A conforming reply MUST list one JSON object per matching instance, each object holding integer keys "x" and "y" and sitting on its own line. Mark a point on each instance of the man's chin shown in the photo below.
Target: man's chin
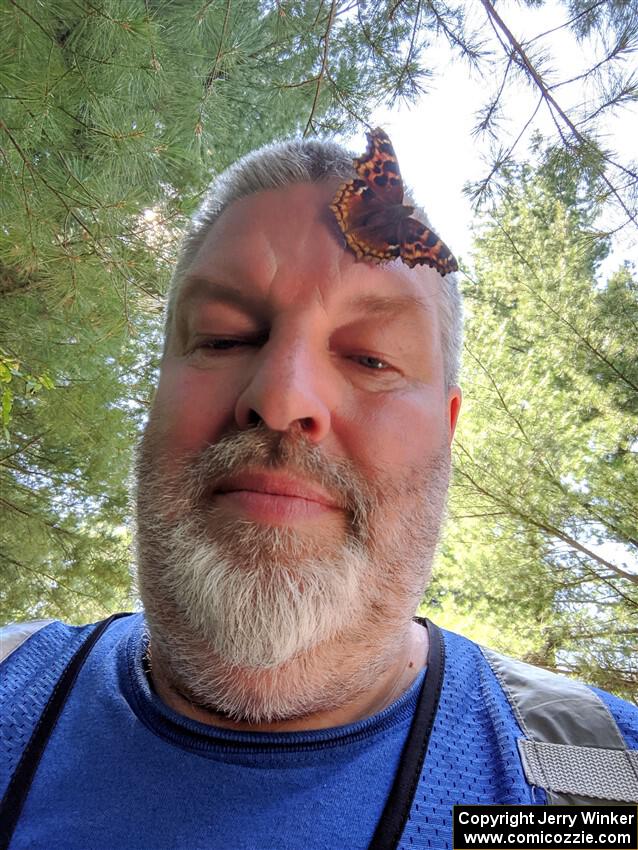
{"x": 263, "y": 545}
{"x": 254, "y": 596}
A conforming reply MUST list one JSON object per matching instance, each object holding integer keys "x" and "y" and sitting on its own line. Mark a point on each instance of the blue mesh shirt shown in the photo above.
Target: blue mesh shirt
{"x": 122, "y": 770}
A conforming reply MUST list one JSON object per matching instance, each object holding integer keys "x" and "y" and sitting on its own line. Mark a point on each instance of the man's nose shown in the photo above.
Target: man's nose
{"x": 289, "y": 388}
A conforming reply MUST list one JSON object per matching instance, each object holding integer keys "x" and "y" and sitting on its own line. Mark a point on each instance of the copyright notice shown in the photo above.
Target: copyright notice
{"x": 548, "y": 827}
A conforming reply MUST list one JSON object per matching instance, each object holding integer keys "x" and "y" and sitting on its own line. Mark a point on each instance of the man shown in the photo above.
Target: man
{"x": 277, "y": 692}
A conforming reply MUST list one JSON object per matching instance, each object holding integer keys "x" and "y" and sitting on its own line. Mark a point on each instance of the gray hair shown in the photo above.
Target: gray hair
{"x": 282, "y": 164}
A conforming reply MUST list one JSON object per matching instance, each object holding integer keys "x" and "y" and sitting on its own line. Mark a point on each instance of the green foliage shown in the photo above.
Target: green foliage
{"x": 115, "y": 113}
{"x": 544, "y": 525}
{"x": 114, "y": 116}
{"x": 14, "y": 380}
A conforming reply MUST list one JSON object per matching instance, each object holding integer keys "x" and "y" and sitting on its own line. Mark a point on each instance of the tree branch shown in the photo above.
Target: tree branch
{"x": 551, "y": 530}
{"x": 324, "y": 65}
{"x": 213, "y": 74}
{"x": 551, "y": 100}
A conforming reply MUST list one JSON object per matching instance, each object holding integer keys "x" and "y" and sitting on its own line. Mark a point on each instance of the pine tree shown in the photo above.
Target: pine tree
{"x": 544, "y": 527}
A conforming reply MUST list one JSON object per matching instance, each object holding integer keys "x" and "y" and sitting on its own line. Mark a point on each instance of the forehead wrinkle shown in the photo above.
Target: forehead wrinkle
{"x": 200, "y": 288}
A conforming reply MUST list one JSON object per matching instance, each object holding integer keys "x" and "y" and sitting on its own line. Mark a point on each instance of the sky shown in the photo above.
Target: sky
{"x": 433, "y": 139}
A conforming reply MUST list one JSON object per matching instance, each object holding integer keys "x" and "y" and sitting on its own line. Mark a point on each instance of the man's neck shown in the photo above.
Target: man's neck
{"x": 411, "y": 658}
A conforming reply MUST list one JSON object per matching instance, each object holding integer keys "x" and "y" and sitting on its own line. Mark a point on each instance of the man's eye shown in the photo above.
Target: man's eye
{"x": 226, "y": 343}
{"x": 372, "y": 363}
{"x": 220, "y": 343}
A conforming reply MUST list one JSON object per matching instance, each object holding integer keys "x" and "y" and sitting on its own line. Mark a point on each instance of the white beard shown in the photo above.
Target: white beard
{"x": 268, "y": 623}
{"x": 263, "y": 595}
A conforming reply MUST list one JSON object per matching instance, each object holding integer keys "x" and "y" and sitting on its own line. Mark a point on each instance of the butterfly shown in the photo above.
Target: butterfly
{"x": 375, "y": 222}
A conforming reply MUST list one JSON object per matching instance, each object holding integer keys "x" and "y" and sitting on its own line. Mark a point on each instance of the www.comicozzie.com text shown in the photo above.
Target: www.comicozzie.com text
{"x": 547, "y": 839}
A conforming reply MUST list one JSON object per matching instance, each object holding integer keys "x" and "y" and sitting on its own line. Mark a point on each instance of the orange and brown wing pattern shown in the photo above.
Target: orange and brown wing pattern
{"x": 421, "y": 246}
{"x": 353, "y": 209}
{"x": 379, "y": 168}
{"x": 376, "y": 224}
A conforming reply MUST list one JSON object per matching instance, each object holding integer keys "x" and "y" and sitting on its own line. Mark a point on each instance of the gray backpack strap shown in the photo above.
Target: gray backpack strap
{"x": 572, "y": 746}
{"x": 15, "y": 634}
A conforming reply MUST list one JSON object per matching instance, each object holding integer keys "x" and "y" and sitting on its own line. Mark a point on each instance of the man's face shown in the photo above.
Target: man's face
{"x": 300, "y": 432}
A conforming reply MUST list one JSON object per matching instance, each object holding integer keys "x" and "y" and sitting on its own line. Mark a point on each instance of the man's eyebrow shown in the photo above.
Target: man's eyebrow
{"x": 388, "y": 305}
{"x": 194, "y": 288}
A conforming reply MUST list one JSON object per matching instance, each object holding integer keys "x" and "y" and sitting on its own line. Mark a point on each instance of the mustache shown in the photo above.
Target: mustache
{"x": 287, "y": 452}
{"x": 260, "y": 448}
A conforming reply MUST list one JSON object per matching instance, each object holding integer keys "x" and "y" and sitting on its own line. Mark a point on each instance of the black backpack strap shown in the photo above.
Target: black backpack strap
{"x": 13, "y": 801}
{"x": 397, "y": 808}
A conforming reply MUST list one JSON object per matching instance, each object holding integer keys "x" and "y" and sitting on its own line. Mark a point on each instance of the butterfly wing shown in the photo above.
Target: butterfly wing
{"x": 355, "y": 208}
{"x": 363, "y": 206}
{"x": 373, "y": 219}
{"x": 379, "y": 168}
{"x": 421, "y": 246}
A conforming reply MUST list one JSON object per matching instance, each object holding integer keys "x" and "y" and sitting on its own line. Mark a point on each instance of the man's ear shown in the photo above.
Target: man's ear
{"x": 454, "y": 399}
